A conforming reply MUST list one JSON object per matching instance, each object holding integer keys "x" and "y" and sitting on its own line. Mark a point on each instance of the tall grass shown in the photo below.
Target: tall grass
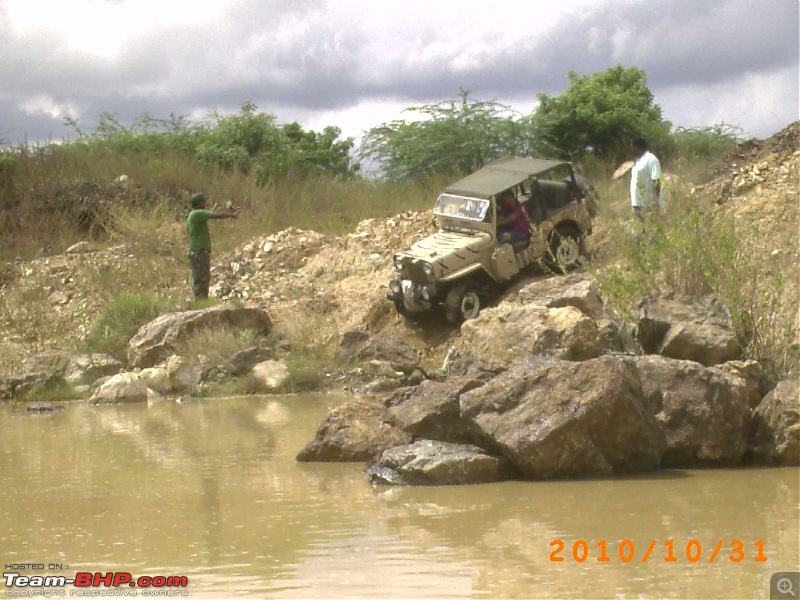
{"x": 691, "y": 249}
{"x": 120, "y": 319}
{"x": 59, "y": 198}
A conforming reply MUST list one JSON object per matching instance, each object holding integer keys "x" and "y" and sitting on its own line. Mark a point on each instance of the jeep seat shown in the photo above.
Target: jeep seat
{"x": 552, "y": 194}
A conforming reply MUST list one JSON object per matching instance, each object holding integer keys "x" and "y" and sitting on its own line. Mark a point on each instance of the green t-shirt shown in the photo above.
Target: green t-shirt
{"x": 197, "y": 224}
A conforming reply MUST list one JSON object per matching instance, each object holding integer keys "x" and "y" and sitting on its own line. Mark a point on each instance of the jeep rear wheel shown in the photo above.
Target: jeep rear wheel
{"x": 462, "y": 303}
{"x": 566, "y": 248}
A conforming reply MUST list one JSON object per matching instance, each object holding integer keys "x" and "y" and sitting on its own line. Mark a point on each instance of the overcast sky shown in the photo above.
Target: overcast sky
{"x": 357, "y": 63}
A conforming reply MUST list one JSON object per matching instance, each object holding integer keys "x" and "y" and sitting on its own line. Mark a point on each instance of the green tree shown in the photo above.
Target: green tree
{"x": 599, "y": 114}
{"x": 235, "y": 141}
{"x": 251, "y": 140}
{"x": 309, "y": 152}
{"x": 453, "y": 136}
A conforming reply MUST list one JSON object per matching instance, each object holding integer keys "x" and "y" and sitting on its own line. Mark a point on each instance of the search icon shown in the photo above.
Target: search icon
{"x": 785, "y": 586}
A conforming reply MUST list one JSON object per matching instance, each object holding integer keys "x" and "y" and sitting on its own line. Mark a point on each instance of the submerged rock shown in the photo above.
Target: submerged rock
{"x": 429, "y": 462}
{"x": 44, "y": 408}
{"x": 353, "y": 431}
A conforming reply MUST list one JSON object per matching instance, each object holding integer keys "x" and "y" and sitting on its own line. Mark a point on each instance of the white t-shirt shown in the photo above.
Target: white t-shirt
{"x": 646, "y": 170}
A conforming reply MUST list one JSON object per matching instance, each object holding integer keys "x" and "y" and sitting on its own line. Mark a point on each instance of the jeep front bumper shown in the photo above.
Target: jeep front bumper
{"x": 413, "y": 297}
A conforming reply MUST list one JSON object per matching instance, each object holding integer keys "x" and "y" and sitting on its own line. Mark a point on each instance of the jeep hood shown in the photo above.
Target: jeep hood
{"x": 450, "y": 249}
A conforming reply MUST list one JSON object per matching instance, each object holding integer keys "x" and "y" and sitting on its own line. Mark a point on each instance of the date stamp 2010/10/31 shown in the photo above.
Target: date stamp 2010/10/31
{"x": 670, "y": 551}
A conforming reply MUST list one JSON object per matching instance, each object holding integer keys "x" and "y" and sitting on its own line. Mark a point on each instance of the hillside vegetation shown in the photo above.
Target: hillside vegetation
{"x": 314, "y": 241}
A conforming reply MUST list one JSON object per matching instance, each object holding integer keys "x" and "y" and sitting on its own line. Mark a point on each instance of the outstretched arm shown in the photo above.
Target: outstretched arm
{"x": 232, "y": 214}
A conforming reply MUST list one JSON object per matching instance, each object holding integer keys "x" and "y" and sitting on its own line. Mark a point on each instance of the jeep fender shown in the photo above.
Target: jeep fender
{"x": 459, "y": 273}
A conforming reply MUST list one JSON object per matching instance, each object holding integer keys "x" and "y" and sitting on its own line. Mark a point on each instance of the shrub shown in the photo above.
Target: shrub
{"x": 691, "y": 249}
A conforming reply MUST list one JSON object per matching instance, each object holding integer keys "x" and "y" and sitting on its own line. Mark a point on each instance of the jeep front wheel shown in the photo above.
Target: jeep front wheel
{"x": 462, "y": 303}
{"x": 566, "y": 248}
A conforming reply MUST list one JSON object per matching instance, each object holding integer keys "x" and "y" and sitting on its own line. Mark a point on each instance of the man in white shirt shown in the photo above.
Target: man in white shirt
{"x": 645, "y": 178}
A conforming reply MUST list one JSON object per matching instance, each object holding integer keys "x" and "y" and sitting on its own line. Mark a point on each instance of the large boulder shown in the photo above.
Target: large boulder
{"x": 272, "y": 375}
{"x": 500, "y": 337}
{"x": 359, "y": 346}
{"x": 775, "y": 433}
{"x": 431, "y": 410}
{"x": 705, "y": 413}
{"x": 750, "y": 376}
{"x": 243, "y": 361}
{"x": 176, "y": 374}
{"x": 183, "y": 374}
{"x": 123, "y": 387}
{"x": 85, "y": 369}
{"x": 554, "y": 418}
{"x": 160, "y": 338}
{"x": 428, "y": 462}
{"x": 557, "y": 292}
{"x": 156, "y": 379}
{"x": 687, "y": 329}
{"x": 45, "y": 363}
{"x": 38, "y": 372}
{"x": 353, "y": 431}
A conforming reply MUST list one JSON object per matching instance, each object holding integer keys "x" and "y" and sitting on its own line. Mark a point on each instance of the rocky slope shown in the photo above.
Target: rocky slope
{"x": 337, "y": 284}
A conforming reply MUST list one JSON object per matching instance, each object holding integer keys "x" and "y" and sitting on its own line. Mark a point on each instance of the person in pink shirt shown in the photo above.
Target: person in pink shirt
{"x": 512, "y": 221}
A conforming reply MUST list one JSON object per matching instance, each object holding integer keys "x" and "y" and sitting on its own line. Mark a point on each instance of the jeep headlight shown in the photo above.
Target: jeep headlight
{"x": 394, "y": 285}
{"x": 428, "y": 268}
{"x": 398, "y": 263}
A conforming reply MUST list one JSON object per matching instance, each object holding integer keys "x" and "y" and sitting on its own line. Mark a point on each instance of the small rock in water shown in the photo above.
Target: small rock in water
{"x": 44, "y": 408}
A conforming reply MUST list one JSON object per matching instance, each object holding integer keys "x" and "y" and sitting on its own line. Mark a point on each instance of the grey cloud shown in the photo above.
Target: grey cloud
{"x": 296, "y": 57}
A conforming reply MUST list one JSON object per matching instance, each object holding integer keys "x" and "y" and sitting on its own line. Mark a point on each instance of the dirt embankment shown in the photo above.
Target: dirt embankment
{"x": 335, "y": 284}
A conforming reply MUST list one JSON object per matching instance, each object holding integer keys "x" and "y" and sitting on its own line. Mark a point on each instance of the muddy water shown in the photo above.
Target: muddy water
{"x": 210, "y": 490}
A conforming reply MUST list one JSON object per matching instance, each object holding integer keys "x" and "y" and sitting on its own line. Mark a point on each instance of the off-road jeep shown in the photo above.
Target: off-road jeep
{"x": 456, "y": 266}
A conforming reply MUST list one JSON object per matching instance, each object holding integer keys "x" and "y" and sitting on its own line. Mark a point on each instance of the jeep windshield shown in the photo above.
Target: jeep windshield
{"x": 461, "y": 207}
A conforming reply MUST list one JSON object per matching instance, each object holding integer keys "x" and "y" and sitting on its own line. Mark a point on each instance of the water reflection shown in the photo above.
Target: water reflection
{"x": 210, "y": 489}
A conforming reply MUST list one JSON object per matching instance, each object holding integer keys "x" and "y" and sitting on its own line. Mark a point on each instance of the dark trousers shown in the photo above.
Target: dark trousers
{"x": 511, "y": 236}
{"x": 200, "y": 261}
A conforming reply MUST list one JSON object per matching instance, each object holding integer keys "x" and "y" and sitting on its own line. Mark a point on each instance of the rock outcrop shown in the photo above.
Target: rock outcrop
{"x": 85, "y": 369}
{"x": 176, "y": 374}
{"x": 573, "y": 290}
{"x": 500, "y": 337}
{"x": 431, "y": 410}
{"x": 428, "y": 462}
{"x": 775, "y": 434}
{"x": 272, "y": 375}
{"x": 555, "y": 418}
{"x": 124, "y": 387}
{"x": 705, "y": 413}
{"x": 361, "y": 346}
{"x": 353, "y": 431}
{"x": 689, "y": 330}
{"x": 160, "y": 338}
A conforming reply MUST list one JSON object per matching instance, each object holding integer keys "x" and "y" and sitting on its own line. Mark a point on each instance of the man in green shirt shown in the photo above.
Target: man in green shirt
{"x": 200, "y": 242}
